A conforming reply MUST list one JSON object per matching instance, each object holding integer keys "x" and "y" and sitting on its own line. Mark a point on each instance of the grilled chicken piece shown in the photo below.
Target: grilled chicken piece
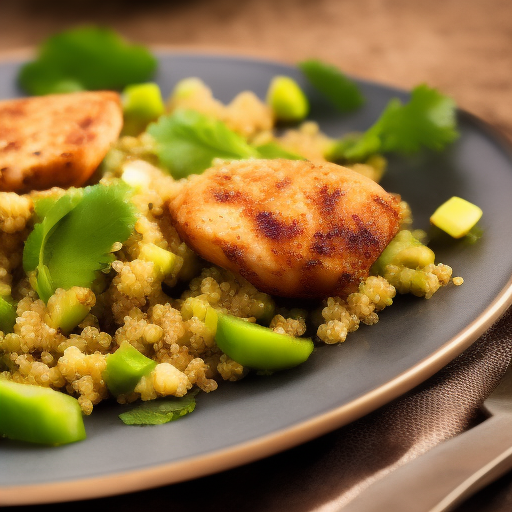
{"x": 57, "y": 140}
{"x": 291, "y": 228}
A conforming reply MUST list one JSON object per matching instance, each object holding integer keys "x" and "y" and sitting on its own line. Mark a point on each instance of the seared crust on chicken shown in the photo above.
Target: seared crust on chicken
{"x": 57, "y": 140}
{"x": 291, "y": 228}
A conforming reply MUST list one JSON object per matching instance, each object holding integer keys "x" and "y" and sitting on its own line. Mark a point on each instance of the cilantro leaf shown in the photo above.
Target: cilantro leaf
{"x": 333, "y": 84}
{"x": 86, "y": 58}
{"x": 272, "y": 150}
{"x": 427, "y": 120}
{"x": 7, "y": 314}
{"x": 75, "y": 238}
{"x": 158, "y": 412}
{"x": 52, "y": 214}
{"x": 188, "y": 141}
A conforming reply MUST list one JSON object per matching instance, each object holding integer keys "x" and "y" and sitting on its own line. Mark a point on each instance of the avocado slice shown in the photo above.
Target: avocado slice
{"x": 258, "y": 347}
{"x": 39, "y": 415}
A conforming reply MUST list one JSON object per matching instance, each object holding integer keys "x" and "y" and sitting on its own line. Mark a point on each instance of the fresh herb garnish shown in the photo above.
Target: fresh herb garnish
{"x": 427, "y": 120}
{"x": 75, "y": 238}
{"x": 86, "y": 58}
{"x": 343, "y": 92}
{"x": 272, "y": 150}
{"x": 7, "y": 314}
{"x": 158, "y": 412}
{"x": 188, "y": 141}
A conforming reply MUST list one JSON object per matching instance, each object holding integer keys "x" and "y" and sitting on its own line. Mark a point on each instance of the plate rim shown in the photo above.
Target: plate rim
{"x": 270, "y": 444}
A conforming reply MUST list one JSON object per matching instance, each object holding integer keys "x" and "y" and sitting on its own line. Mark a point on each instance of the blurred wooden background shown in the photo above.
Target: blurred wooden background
{"x": 464, "y": 47}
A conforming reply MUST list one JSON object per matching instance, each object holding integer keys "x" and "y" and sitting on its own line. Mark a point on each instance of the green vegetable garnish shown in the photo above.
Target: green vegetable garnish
{"x": 7, "y": 314}
{"x": 75, "y": 238}
{"x": 125, "y": 367}
{"x": 163, "y": 260}
{"x": 67, "y": 308}
{"x": 142, "y": 103}
{"x": 272, "y": 149}
{"x": 287, "y": 100}
{"x": 188, "y": 141}
{"x": 427, "y": 120}
{"x": 86, "y": 58}
{"x": 158, "y": 412}
{"x": 404, "y": 250}
{"x": 456, "y": 217}
{"x": 333, "y": 84}
{"x": 39, "y": 415}
{"x": 258, "y": 347}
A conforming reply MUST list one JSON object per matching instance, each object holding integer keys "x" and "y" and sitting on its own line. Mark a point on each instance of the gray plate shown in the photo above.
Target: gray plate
{"x": 259, "y": 416}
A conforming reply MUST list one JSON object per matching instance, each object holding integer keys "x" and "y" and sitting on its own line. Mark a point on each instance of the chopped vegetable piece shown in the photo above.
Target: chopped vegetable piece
{"x": 67, "y": 308}
{"x": 158, "y": 412}
{"x": 163, "y": 260}
{"x": 39, "y": 415}
{"x": 287, "y": 100}
{"x": 7, "y": 314}
{"x": 75, "y": 239}
{"x": 142, "y": 103}
{"x": 188, "y": 141}
{"x": 333, "y": 84}
{"x": 211, "y": 319}
{"x": 404, "y": 250}
{"x": 86, "y": 58}
{"x": 134, "y": 175}
{"x": 258, "y": 347}
{"x": 456, "y": 217}
{"x": 428, "y": 120}
{"x": 125, "y": 367}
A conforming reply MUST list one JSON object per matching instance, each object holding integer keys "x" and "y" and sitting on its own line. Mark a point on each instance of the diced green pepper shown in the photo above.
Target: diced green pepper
{"x": 404, "y": 250}
{"x": 258, "y": 347}
{"x": 39, "y": 415}
{"x": 287, "y": 99}
{"x": 67, "y": 308}
{"x": 456, "y": 217}
{"x": 125, "y": 367}
{"x": 142, "y": 103}
{"x": 163, "y": 260}
{"x": 7, "y": 315}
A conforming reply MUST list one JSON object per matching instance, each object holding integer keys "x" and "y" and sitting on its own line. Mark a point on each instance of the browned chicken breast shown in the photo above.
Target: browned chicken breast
{"x": 56, "y": 140}
{"x": 291, "y": 228}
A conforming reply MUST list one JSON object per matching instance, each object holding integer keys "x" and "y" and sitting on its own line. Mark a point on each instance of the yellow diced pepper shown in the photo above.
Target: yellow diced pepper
{"x": 456, "y": 217}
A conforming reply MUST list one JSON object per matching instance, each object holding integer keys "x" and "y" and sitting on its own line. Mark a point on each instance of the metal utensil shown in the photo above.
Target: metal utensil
{"x": 455, "y": 469}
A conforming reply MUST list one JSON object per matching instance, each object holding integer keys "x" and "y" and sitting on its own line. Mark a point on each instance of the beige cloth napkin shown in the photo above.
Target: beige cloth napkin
{"x": 325, "y": 474}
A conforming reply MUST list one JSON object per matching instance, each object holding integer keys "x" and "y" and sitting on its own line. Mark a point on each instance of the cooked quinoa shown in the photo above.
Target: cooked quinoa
{"x": 164, "y": 316}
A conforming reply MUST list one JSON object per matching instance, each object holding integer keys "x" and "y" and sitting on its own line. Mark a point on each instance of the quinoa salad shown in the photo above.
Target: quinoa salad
{"x": 163, "y": 286}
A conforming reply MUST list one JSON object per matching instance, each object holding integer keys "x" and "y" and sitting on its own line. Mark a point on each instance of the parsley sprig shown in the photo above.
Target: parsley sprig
{"x": 187, "y": 141}
{"x": 86, "y": 58}
{"x": 75, "y": 238}
{"x": 343, "y": 92}
{"x": 158, "y": 412}
{"x": 427, "y": 120}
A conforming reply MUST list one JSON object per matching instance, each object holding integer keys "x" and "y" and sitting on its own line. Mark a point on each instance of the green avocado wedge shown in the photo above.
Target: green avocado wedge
{"x": 39, "y": 415}
{"x": 258, "y": 347}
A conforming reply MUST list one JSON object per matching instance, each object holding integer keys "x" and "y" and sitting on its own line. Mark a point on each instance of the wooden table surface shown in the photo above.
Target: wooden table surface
{"x": 463, "y": 47}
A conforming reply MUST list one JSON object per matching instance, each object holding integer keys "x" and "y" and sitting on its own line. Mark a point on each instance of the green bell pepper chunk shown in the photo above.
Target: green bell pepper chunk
{"x": 39, "y": 415}
{"x": 142, "y": 103}
{"x": 258, "y": 347}
{"x": 287, "y": 99}
{"x": 7, "y": 314}
{"x": 125, "y": 367}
